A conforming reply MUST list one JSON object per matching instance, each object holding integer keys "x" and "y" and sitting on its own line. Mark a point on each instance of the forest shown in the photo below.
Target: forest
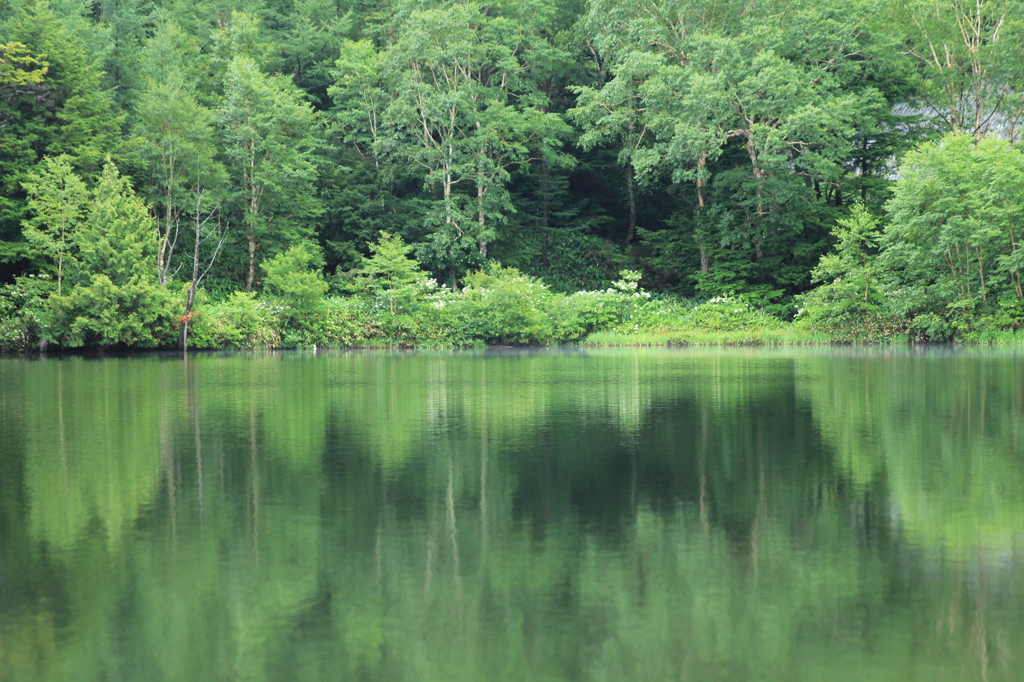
{"x": 335, "y": 173}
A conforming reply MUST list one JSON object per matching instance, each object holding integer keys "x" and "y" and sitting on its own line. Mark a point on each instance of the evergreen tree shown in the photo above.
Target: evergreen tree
{"x": 68, "y": 112}
{"x": 114, "y": 297}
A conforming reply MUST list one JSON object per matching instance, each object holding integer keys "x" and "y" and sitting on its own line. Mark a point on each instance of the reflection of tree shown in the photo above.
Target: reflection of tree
{"x": 93, "y": 467}
{"x": 440, "y": 518}
{"x": 946, "y": 437}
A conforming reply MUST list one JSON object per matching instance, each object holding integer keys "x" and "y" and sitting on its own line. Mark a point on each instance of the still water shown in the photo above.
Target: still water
{"x": 537, "y": 515}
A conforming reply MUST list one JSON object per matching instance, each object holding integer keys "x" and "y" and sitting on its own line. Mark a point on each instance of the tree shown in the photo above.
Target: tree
{"x": 751, "y": 119}
{"x": 56, "y": 200}
{"x": 361, "y": 187}
{"x": 64, "y": 110}
{"x": 307, "y": 35}
{"x": 122, "y": 27}
{"x": 175, "y": 135}
{"x": 18, "y": 68}
{"x": 114, "y": 296}
{"x": 453, "y": 104}
{"x": 268, "y": 133}
{"x": 850, "y": 298}
{"x": 392, "y": 276}
{"x": 968, "y": 54}
{"x": 614, "y": 114}
{"x": 953, "y": 241}
{"x": 206, "y": 226}
{"x": 294, "y": 279}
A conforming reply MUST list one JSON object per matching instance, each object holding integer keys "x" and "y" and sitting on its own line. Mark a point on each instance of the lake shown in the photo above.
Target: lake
{"x": 626, "y": 515}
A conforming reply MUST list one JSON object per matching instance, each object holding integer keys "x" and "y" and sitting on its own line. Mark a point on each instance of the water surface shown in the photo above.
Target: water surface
{"x": 535, "y": 515}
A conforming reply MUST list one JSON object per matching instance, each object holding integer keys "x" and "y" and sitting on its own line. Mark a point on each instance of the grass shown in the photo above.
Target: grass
{"x": 786, "y": 336}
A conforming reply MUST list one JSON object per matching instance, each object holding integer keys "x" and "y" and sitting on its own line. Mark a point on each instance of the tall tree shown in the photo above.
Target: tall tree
{"x": 268, "y": 131}
{"x": 175, "y": 145}
{"x": 968, "y": 53}
{"x": 307, "y": 36}
{"x": 67, "y": 112}
{"x": 124, "y": 26}
{"x": 954, "y": 241}
{"x": 458, "y": 109}
{"x": 754, "y": 121}
{"x": 56, "y": 200}
{"x": 615, "y": 115}
{"x": 19, "y": 68}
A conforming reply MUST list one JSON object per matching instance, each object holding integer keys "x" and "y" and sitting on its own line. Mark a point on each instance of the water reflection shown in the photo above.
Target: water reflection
{"x": 720, "y": 515}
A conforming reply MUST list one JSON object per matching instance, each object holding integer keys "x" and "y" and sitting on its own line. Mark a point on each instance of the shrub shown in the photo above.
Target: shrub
{"x": 22, "y": 312}
{"x": 341, "y": 322}
{"x": 729, "y": 314}
{"x": 242, "y": 321}
{"x": 575, "y": 316}
{"x": 502, "y": 306}
{"x": 294, "y": 281}
{"x": 136, "y": 314}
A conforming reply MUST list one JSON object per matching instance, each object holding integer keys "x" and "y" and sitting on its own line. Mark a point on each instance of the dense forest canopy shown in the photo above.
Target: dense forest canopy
{"x": 718, "y": 148}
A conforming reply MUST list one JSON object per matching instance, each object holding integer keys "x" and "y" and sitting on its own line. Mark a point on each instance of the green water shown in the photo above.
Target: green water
{"x": 547, "y": 515}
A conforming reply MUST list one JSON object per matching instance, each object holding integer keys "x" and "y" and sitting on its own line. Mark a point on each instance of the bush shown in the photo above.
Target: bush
{"x": 729, "y": 314}
{"x": 575, "y": 316}
{"x": 242, "y": 321}
{"x": 340, "y": 322}
{"x": 501, "y": 306}
{"x": 294, "y": 281}
{"x": 22, "y": 312}
{"x": 137, "y": 314}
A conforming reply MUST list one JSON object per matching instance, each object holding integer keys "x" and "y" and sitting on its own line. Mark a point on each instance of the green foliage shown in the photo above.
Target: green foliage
{"x": 448, "y": 97}
{"x": 56, "y": 202}
{"x": 100, "y": 313}
{"x": 307, "y": 35}
{"x": 66, "y": 112}
{"x": 759, "y": 175}
{"x": 18, "y": 67}
{"x": 948, "y": 263}
{"x": 342, "y": 322}
{"x": 117, "y": 238}
{"x": 173, "y": 138}
{"x": 242, "y": 321}
{"x": 574, "y": 316}
{"x": 849, "y": 302}
{"x": 501, "y": 306}
{"x": 398, "y": 285}
{"x": 967, "y": 61}
{"x": 953, "y": 237}
{"x": 269, "y": 133}
{"x": 390, "y": 274}
{"x": 715, "y": 149}
{"x": 113, "y": 297}
{"x": 728, "y": 314}
{"x": 294, "y": 280}
{"x": 23, "y": 316}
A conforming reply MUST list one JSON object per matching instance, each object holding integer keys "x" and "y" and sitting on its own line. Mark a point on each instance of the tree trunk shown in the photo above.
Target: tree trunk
{"x": 163, "y": 256}
{"x": 254, "y": 191}
{"x": 187, "y": 317}
{"x": 545, "y": 210}
{"x": 702, "y": 163}
{"x": 631, "y": 232}
{"x": 252, "y": 263}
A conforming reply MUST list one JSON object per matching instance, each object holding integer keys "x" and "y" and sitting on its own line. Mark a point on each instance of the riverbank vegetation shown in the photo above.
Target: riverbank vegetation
{"x": 297, "y": 173}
